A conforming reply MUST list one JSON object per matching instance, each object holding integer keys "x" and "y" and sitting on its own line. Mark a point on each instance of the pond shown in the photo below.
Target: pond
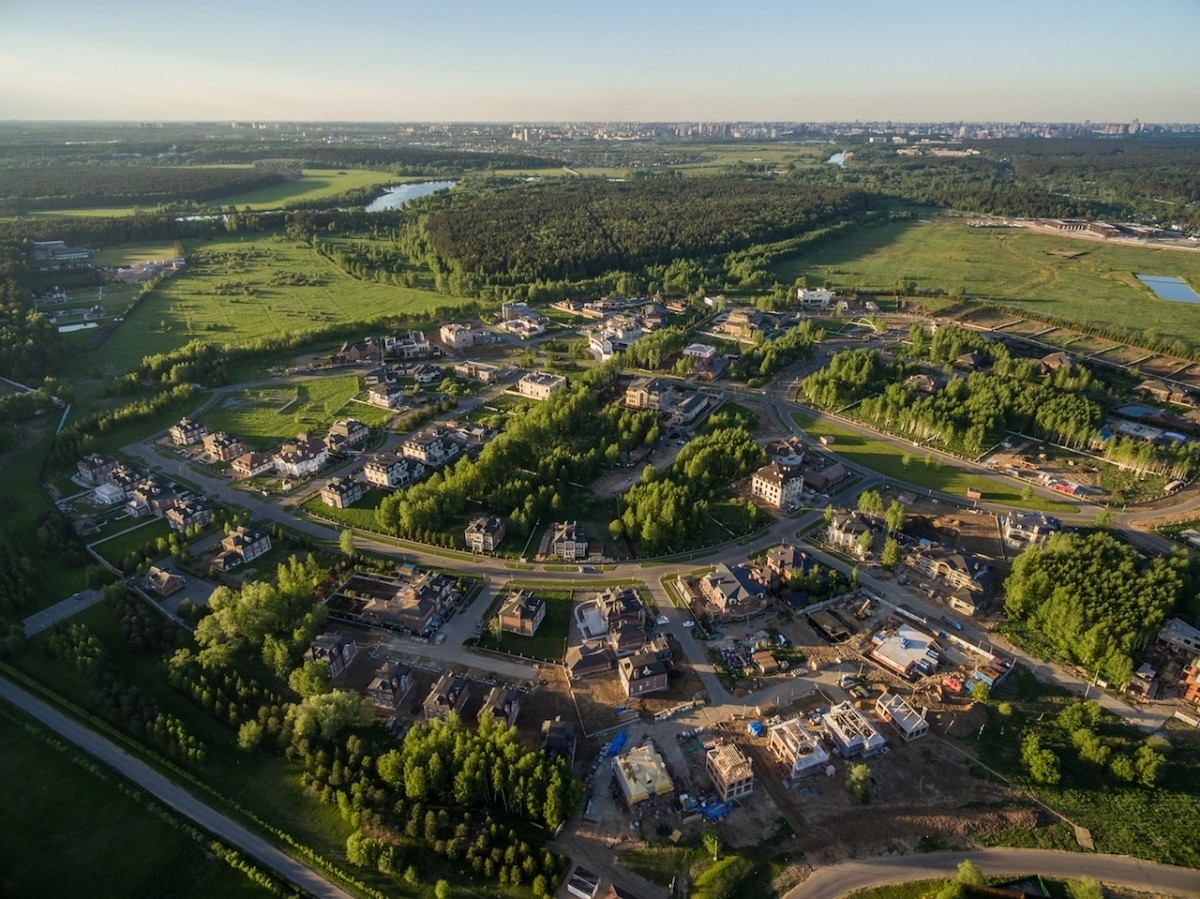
{"x": 1174, "y": 290}
{"x": 395, "y": 197}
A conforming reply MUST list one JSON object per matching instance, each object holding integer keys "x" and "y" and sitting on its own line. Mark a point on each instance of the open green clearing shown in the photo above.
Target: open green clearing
{"x": 549, "y": 643}
{"x": 84, "y": 832}
{"x": 235, "y": 291}
{"x": 132, "y": 254}
{"x": 266, "y": 416}
{"x": 362, "y": 515}
{"x": 313, "y": 185}
{"x": 888, "y": 460}
{"x": 1015, "y": 266}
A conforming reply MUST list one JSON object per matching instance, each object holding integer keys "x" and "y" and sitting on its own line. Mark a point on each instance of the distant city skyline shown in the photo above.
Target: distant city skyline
{"x": 534, "y": 61}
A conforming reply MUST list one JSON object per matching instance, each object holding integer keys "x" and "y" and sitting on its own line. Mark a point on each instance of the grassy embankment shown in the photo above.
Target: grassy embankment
{"x": 945, "y": 477}
{"x": 1081, "y": 280}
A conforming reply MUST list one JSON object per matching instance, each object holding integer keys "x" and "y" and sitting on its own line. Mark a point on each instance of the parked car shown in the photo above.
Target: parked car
{"x": 661, "y": 621}
{"x": 689, "y": 623}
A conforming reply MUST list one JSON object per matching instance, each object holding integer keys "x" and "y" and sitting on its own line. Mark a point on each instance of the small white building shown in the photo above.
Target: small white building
{"x": 851, "y": 733}
{"x": 818, "y": 298}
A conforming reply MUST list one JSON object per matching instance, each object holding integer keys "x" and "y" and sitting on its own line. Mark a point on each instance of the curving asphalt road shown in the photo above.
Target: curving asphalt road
{"x": 169, "y": 794}
{"x": 858, "y": 874}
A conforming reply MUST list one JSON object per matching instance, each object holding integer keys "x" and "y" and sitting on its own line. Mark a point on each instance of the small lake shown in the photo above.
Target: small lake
{"x": 838, "y": 159}
{"x": 395, "y": 197}
{"x": 1174, "y": 290}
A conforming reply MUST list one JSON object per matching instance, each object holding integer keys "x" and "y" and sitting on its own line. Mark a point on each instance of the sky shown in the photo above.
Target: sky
{"x": 601, "y": 60}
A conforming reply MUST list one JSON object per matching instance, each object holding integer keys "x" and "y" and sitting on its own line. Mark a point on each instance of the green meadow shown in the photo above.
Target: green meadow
{"x": 911, "y": 468}
{"x": 237, "y": 290}
{"x": 1086, "y": 281}
{"x": 265, "y": 416}
{"x": 84, "y": 832}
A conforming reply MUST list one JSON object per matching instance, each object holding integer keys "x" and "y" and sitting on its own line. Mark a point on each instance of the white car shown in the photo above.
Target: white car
{"x": 661, "y": 621}
{"x": 689, "y": 623}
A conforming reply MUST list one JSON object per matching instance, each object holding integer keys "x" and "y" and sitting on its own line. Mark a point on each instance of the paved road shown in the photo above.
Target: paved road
{"x": 171, "y": 795}
{"x": 845, "y": 877}
{"x": 60, "y": 611}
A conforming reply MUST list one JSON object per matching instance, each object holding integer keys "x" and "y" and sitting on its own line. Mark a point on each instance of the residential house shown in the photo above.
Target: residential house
{"x": 730, "y": 772}
{"x": 345, "y": 434}
{"x": 796, "y": 749}
{"x": 242, "y": 545}
{"x": 1054, "y": 361}
{"x": 369, "y": 351}
{"x": 150, "y": 497}
{"x": 185, "y": 432}
{"x": 817, "y": 298}
{"x": 456, "y": 336}
{"x": 643, "y": 673}
{"x": 448, "y": 695}
{"x": 1023, "y": 529}
{"x": 558, "y": 739}
{"x": 302, "y": 457}
{"x": 484, "y": 534}
{"x": 622, "y": 606}
{"x": 688, "y": 409}
{"x": 503, "y": 703}
{"x": 732, "y": 593}
{"x": 421, "y": 602}
{"x": 654, "y": 394}
{"x": 251, "y": 465}
{"x": 821, "y": 479}
{"x": 588, "y": 659}
{"x": 626, "y": 640}
{"x": 392, "y": 472}
{"x": 568, "y": 541}
{"x": 391, "y": 686}
{"x": 183, "y": 517}
{"x": 789, "y": 452}
{"x": 337, "y": 650}
{"x": 846, "y": 532}
{"x": 1191, "y": 683}
{"x": 972, "y": 361}
{"x": 522, "y": 613}
{"x": 223, "y": 447}
{"x": 342, "y": 492}
{"x": 426, "y": 373}
{"x": 387, "y": 396}
{"x": 479, "y": 371}
{"x": 783, "y": 561}
{"x": 742, "y": 323}
{"x": 1180, "y": 637}
{"x": 778, "y": 485}
{"x": 161, "y": 581}
{"x": 95, "y": 468}
{"x": 409, "y": 345}
{"x": 958, "y": 568}
{"x": 430, "y": 446}
{"x": 538, "y": 385}
{"x": 924, "y": 383}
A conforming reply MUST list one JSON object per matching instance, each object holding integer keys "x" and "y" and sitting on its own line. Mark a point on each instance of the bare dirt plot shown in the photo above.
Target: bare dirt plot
{"x": 988, "y": 318}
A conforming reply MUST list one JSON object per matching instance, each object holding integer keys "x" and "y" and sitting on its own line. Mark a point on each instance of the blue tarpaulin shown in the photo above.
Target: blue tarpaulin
{"x": 618, "y": 743}
{"x": 755, "y": 728}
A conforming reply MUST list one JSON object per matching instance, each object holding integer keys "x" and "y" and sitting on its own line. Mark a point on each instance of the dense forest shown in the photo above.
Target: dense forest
{"x": 30, "y": 346}
{"x": 1092, "y": 601}
{"x": 82, "y": 186}
{"x": 584, "y": 228}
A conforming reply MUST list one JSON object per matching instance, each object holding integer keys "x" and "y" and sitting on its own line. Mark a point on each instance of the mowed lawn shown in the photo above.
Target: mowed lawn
{"x": 265, "y": 416}
{"x": 74, "y": 831}
{"x": 1084, "y": 281}
{"x": 132, "y": 254}
{"x": 888, "y": 460}
{"x": 236, "y": 291}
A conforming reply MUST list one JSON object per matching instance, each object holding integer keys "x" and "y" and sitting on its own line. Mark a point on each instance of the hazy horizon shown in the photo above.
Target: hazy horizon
{"x": 371, "y": 61}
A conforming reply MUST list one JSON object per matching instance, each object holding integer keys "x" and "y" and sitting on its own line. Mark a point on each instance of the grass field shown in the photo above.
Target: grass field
{"x": 266, "y": 416}
{"x": 238, "y": 290}
{"x": 82, "y": 832}
{"x": 361, "y": 515}
{"x": 131, "y": 254}
{"x": 888, "y": 460}
{"x": 1015, "y": 266}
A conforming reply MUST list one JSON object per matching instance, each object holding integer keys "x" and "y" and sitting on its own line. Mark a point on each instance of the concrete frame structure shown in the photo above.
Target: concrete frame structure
{"x": 731, "y": 772}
